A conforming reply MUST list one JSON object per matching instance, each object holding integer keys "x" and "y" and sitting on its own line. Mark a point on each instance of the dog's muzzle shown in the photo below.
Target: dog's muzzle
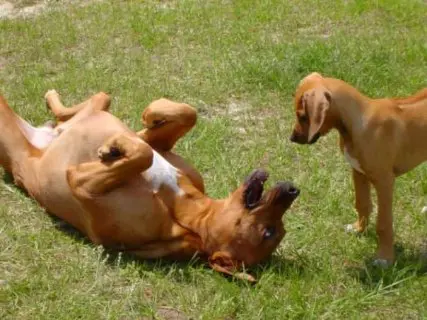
{"x": 298, "y": 138}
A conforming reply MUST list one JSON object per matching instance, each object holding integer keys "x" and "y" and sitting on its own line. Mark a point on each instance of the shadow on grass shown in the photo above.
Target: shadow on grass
{"x": 410, "y": 263}
{"x": 178, "y": 271}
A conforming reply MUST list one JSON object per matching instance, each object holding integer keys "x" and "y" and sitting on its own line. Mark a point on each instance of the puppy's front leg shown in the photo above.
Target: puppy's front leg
{"x": 121, "y": 157}
{"x": 384, "y": 187}
{"x": 363, "y": 202}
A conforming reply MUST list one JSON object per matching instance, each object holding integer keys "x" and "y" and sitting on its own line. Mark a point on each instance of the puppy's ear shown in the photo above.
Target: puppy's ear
{"x": 222, "y": 262}
{"x": 316, "y": 104}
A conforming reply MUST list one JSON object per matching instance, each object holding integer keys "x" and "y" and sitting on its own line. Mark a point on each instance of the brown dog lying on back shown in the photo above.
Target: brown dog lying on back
{"x": 129, "y": 191}
{"x": 380, "y": 138}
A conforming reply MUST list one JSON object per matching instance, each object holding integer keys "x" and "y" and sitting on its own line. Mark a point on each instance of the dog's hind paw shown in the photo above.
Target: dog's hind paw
{"x": 50, "y": 92}
{"x": 381, "y": 263}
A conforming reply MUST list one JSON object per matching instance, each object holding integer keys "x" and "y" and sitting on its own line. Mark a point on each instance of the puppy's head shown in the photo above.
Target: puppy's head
{"x": 250, "y": 227}
{"x": 312, "y": 104}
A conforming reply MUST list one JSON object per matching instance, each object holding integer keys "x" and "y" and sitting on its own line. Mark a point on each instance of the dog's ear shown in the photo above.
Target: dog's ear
{"x": 222, "y": 262}
{"x": 316, "y": 104}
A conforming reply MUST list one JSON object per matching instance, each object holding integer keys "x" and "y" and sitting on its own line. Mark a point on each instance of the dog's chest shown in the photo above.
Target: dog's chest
{"x": 162, "y": 173}
{"x": 352, "y": 161}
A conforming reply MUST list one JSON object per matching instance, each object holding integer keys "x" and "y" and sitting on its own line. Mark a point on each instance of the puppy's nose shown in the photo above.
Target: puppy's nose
{"x": 293, "y": 137}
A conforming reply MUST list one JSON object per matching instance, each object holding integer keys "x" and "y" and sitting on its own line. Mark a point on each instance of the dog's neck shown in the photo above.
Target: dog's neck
{"x": 347, "y": 108}
{"x": 194, "y": 210}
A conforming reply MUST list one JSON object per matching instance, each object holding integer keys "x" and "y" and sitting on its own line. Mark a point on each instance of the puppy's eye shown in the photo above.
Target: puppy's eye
{"x": 269, "y": 232}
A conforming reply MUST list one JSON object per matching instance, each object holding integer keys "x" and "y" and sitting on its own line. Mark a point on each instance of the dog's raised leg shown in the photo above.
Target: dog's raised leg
{"x": 121, "y": 157}
{"x": 363, "y": 202}
{"x": 165, "y": 122}
{"x": 15, "y": 149}
{"x": 384, "y": 186}
{"x": 99, "y": 101}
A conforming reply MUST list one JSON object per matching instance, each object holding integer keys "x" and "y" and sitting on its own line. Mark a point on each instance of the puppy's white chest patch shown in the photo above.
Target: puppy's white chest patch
{"x": 162, "y": 173}
{"x": 39, "y": 137}
{"x": 352, "y": 161}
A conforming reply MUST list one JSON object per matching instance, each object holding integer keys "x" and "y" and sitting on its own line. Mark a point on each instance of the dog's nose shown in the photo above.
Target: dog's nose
{"x": 292, "y": 190}
{"x": 288, "y": 188}
{"x": 293, "y": 137}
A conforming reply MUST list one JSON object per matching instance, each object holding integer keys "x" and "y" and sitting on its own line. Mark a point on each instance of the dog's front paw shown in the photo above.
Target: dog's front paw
{"x": 381, "y": 263}
{"x": 355, "y": 228}
{"x": 349, "y": 228}
{"x": 109, "y": 153}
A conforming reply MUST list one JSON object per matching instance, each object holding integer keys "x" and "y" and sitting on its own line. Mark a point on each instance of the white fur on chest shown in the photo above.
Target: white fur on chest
{"x": 39, "y": 137}
{"x": 162, "y": 173}
{"x": 352, "y": 161}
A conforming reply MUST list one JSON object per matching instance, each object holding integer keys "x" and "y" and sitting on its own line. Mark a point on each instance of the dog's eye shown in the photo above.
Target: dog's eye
{"x": 158, "y": 123}
{"x": 269, "y": 232}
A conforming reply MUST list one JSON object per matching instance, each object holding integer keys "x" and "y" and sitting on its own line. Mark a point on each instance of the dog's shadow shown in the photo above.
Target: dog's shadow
{"x": 179, "y": 271}
{"x": 410, "y": 263}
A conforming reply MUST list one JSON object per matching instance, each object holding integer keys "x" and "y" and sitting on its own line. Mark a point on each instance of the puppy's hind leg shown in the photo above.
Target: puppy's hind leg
{"x": 100, "y": 101}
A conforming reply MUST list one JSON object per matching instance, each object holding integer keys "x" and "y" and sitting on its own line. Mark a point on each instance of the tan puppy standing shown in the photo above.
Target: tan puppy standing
{"x": 130, "y": 192}
{"x": 380, "y": 138}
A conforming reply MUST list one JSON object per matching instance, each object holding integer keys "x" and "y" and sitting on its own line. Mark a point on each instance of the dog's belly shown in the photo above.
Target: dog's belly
{"x": 133, "y": 215}
{"x": 75, "y": 145}
{"x": 129, "y": 215}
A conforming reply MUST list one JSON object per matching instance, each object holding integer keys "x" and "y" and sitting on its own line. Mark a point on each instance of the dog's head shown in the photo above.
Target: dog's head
{"x": 312, "y": 105}
{"x": 249, "y": 227}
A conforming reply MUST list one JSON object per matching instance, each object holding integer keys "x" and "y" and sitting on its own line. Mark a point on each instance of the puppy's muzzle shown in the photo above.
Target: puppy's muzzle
{"x": 298, "y": 138}
{"x": 302, "y": 139}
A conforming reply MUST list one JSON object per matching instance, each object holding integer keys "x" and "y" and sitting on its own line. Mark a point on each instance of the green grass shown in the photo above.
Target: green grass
{"x": 238, "y": 63}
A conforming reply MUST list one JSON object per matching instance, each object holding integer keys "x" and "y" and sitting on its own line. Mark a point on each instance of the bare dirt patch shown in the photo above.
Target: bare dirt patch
{"x": 21, "y": 9}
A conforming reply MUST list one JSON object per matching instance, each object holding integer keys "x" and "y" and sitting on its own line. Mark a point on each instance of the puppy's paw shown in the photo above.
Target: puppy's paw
{"x": 349, "y": 228}
{"x": 354, "y": 228}
{"x": 424, "y": 209}
{"x": 109, "y": 153}
{"x": 381, "y": 263}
